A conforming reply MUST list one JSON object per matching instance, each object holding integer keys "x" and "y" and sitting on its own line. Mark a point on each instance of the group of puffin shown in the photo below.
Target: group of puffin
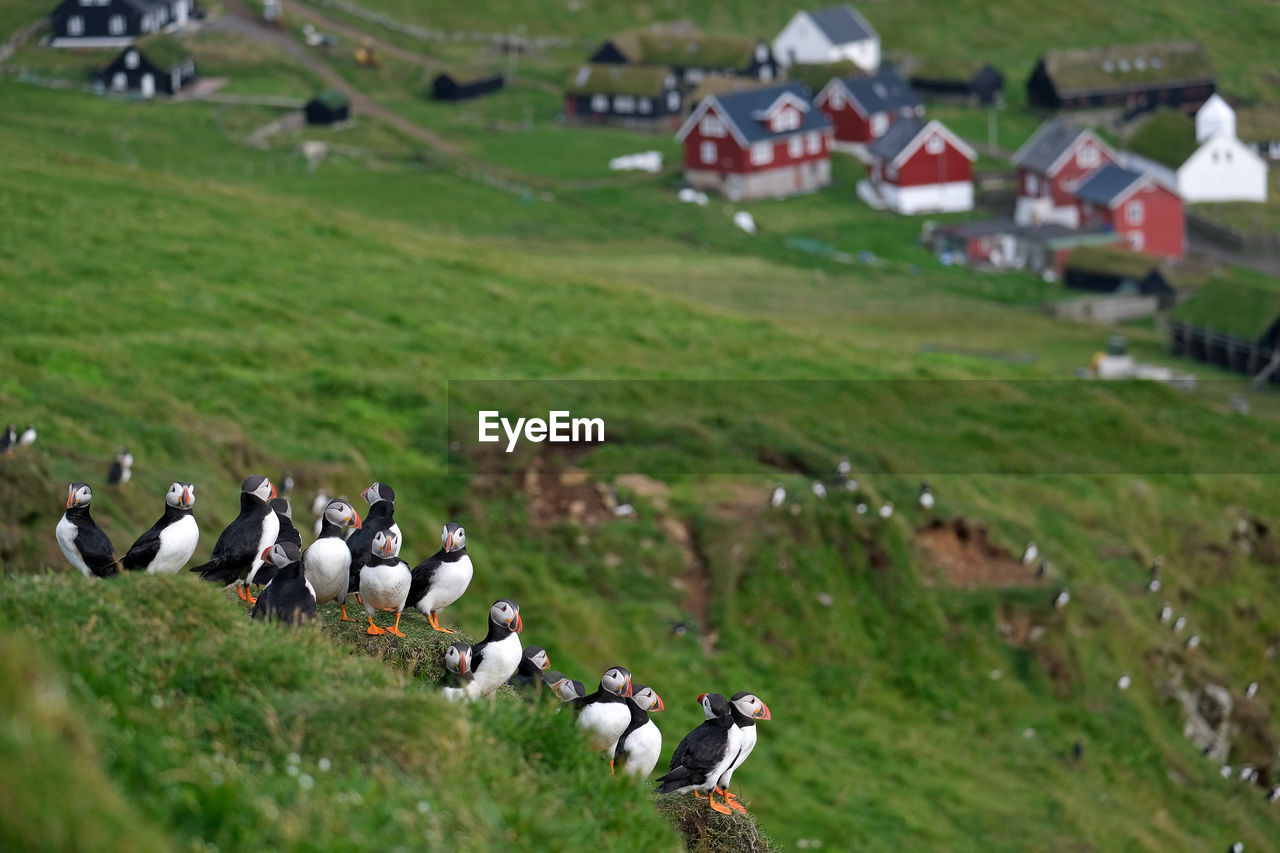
{"x": 350, "y": 555}
{"x": 11, "y": 438}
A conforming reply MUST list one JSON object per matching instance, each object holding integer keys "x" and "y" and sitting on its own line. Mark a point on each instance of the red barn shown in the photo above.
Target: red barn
{"x": 1050, "y": 165}
{"x": 861, "y": 109}
{"x": 765, "y": 143}
{"x": 1144, "y": 212}
{"x": 921, "y": 167}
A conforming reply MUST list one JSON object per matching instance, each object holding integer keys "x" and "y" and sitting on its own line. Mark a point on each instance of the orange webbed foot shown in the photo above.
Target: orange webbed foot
{"x": 723, "y": 809}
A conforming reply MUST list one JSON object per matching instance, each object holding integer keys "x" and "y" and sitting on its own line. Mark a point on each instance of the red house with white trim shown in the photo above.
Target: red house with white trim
{"x": 1146, "y": 214}
{"x": 764, "y": 143}
{"x": 920, "y": 167}
{"x": 1050, "y": 166}
{"x": 862, "y": 109}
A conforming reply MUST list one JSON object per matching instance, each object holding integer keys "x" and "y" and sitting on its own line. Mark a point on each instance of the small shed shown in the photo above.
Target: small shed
{"x": 1109, "y": 269}
{"x": 1135, "y": 77}
{"x": 328, "y": 107}
{"x": 459, "y": 87}
{"x": 982, "y": 85}
{"x": 1233, "y": 322}
{"x": 150, "y": 66}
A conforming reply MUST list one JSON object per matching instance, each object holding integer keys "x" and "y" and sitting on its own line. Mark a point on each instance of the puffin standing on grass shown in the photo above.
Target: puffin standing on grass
{"x": 534, "y": 661}
{"x": 746, "y": 709}
{"x": 442, "y": 578}
{"x": 384, "y": 583}
{"x": 28, "y": 436}
{"x": 287, "y": 597}
{"x": 641, "y": 743}
{"x": 121, "y": 470}
{"x": 496, "y": 658}
{"x": 457, "y": 664}
{"x": 8, "y": 440}
{"x": 605, "y": 713}
{"x": 327, "y": 563}
{"x": 382, "y": 506}
{"x": 237, "y": 555}
{"x": 171, "y": 541}
{"x": 705, "y": 753}
{"x": 82, "y": 541}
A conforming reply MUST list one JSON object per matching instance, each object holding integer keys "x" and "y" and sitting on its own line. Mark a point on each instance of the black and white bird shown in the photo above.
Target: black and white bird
{"x": 237, "y": 555}
{"x": 495, "y": 659}
{"x": 380, "y": 518}
{"x": 458, "y": 674}
{"x": 121, "y": 470}
{"x": 1192, "y": 643}
{"x": 318, "y": 505}
{"x": 384, "y": 583}
{"x": 171, "y": 541}
{"x": 566, "y": 689}
{"x": 534, "y": 661}
{"x": 1251, "y": 690}
{"x": 926, "y": 495}
{"x": 8, "y": 439}
{"x": 1042, "y": 569}
{"x": 1179, "y": 623}
{"x": 886, "y": 510}
{"x": 1166, "y": 614}
{"x": 327, "y": 563}
{"x": 605, "y": 713}
{"x": 1030, "y": 553}
{"x": 640, "y": 743}
{"x": 27, "y": 437}
{"x": 1236, "y": 847}
{"x": 442, "y": 578}
{"x": 705, "y": 753}
{"x": 746, "y": 708}
{"x": 287, "y": 597}
{"x": 1156, "y": 565}
{"x": 284, "y": 514}
{"x": 82, "y": 541}
{"x": 1062, "y": 599}
{"x": 1273, "y": 796}
{"x": 286, "y": 485}
{"x": 778, "y": 498}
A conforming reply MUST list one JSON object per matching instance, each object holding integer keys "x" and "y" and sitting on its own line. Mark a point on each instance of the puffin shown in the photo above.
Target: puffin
{"x": 327, "y": 563}
{"x": 28, "y": 436}
{"x": 886, "y": 510}
{"x": 1062, "y": 599}
{"x": 1030, "y": 553}
{"x": 566, "y": 689}
{"x": 926, "y": 495}
{"x": 746, "y": 709}
{"x": 284, "y": 514}
{"x": 382, "y": 506}
{"x": 458, "y": 674}
{"x": 82, "y": 541}
{"x": 237, "y": 555}
{"x": 495, "y": 659}
{"x": 778, "y": 498}
{"x": 287, "y": 597}
{"x": 705, "y": 753}
{"x": 8, "y": 439}
{"x": 384, "y": 583}
{"x": 318, "y": 505}
{"x": 121, "y": 470}
{"x": 534, "y": 661}
{"x": 442, "y": 578}
{"x": 171, "y": 541}
{"x": 1251, "y": 690}
{"x": 640, "y": 743}
{"x": 605, "y": 714}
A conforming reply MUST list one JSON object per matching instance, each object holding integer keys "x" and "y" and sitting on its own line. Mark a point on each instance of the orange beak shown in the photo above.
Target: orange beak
{"x": 519, "y": 624}
{"x": 763, "y": 713}
{"x": 71, "y": 499}
{"x": 546, "y": 665}
{"x": 462, "y": 666}
{"x": 265, "y": 553}
{"x": 448, "y": 543}
{"x": 273, "y": 491}
{"x": 357, "y": 515}
{"x": 701, "y": 696}
{"x": 629, "y": 690}
{"x": 657, "y": 703}
{"x": 188, "y": 497}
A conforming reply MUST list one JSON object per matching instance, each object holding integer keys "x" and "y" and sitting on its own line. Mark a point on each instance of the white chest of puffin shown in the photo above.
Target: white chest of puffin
{"x": 442, "y": 578}
{"x": 746, "y": 708}
{"x": 384, "y": 582}
{"x": 327, "y": 562}
{"x": 171, "y": 541}
{"x": 380, "y": 519}
{"x": 641, "y": 743}
{"x": 82, "y": 541}
{"x": 496, "y": 658}
{"x": 705, "y": 753}
{"x": 605, "y": 713}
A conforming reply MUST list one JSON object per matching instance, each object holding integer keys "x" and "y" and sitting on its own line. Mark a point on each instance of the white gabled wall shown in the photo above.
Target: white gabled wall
{"x": 810, "y": 45}
{"x": 1223, "y": 169}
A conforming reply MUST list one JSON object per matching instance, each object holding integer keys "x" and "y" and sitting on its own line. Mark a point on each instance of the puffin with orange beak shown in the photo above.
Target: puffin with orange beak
{"x": 380, "y": 518}
{"x": 496, "y": 658}
{"x": 746, "y": 709}
{"x": 82, "y": 541}
{"x": 458, "y": 674}
{"x": 287, "y": 597}
{"x": 641, "y": 744}
{"x": 442, "y": 578}
{"x": 705, "y": 753}
{"x": 605, "y": 713}
{"x": 169, "y": 544}
{"x": 327, "y": 562}
{"x": 384, "y": 583}
{"x": 237, "y": 555}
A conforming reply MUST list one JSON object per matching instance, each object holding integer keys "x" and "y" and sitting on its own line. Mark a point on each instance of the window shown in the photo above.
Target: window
{"x": 75, "y": 25}
{"x": 131, "y": 59}
{"x": 1088, "y": 157}
{"x": 118, "y": 81}
{"x": 693, "y": 76}
{"x": 761, "y": 153}
{"x": 1215, "y": 155}
{"x": 766, "y": 73}
{"x": 762, "y": 53}
{"x": 711, "y": 126}
{"x": 785, "y": 119}
{"x": 795, "y": 146}
{"x": 673, "y": 102}
{"x": 814, "y": 143}
{"x": 879, "y": 124}
{"x": 1033, "y": 185}
{"x": 836, "y": 101}
{"x": 934, "y": 144}
{"x": 1135, "y": 240}
{"x": 86, "y": 2}
{"x": 707, "y": 152}
{"x": 1133, "y": 213}
{"x": 624, "y": 104}
{"x": 599, "y": 104}
{"x": 115, "y": 25}
{"x": 646, "y": 106}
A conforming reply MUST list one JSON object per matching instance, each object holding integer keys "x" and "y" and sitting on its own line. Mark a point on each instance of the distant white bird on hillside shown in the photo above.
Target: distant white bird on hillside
{"x": 1180, "y": 623}
{"x": 1063, "y": 598}
{"x": 28, "y": 436}
{"x": 1226, "y": 771}
{"x": 843, "y": 467}
{"x": 1154, "y": 585}
{"x": 1251, "y": 690}
{"x": 778, "y": 498}
{"x": 886, "y": 511}
{"x": 1123, "y": 682}
{"x": 819, "y": 489}
{"x": 1030, "y": 553}
{"x": 1192, "y": 643}
{"x": 926, "y": 496}
{"x": 860, "y": 509}
{"x": 1166, "y": 613}
{"x": 1248, "y": 773}
{"x": 1237, "y": 847}
{"x": 1274, "y": 795}
{"x": 745, "y": 221}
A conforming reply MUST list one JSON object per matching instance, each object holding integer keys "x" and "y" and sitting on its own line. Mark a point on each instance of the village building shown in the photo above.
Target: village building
{"x": 114, "y": 23}
{"x": 1146, "y": 214}
{"x": 641, "y": 97}
{"x": 920, "y": 166}
{"x": 1118, "y": 271}
{"x": 690, "y": 54}
{"x": 766, "y": 143}
{"x": 1229, "y": 323}
{"x": 1136, "y": 77}
{"x": 1049, "y": 166}
{"x": 327, "y": 107}
{"x": 836, "y": 34}
{"x": 862, "y": 109}
{"x": 155, "y": 65}
{"x": 982, "y": 85}
{"x": 1004, "y": 244}
{"x": 456, "y": 87}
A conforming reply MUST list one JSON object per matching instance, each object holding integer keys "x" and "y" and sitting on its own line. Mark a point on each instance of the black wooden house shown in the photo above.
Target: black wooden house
{"x": 113, "y": 23}
{"x": 327, "y": 107}
{"x": 1135, "y": 77}
{"x": 984, "y": 85}
{"x": 155, "y": 65}
{"x": 455, "y": 87}
{"x": 642, "y": 97}
{"x": 691, "y": 54}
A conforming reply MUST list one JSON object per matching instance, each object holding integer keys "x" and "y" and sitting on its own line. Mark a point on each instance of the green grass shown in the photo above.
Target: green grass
{"x": 1166, "y": 137}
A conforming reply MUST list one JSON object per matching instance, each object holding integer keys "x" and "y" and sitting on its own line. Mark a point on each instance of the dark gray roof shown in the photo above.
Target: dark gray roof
{"x": 842, "y": 24}
{"x": 980, "y": 228}
{"x": 741, "y": 108}
{"x": 1046, "y": 145}
{"x": 882, "y": 92}
{"x": 1106, "y": 183}
{"x": 897, "y": 137}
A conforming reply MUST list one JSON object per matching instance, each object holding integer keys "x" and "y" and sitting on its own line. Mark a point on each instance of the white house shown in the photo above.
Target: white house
{"x": 1223, "y": 169}
{"x": 828, "y": 35}
{"x": 1215, "y": 115}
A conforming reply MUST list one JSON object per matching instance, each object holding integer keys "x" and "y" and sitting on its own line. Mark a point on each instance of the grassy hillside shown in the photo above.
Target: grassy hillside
{"x": 225, "y": 311}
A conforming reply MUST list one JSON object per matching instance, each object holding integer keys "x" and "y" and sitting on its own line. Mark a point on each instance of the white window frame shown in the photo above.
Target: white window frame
{"x": 1033, "y": 184}
{"x": 814, "y": 142}
{"x": 879, "y": 124}
{"x": 673, "y": 102}
{"x": 785, "y": 119}
{"x": 795, "y": 146}
{"x": 1089, "y": 156}
{"x": 711, "y": 126}
{"x": 75, "y": 25}
{"x": 761, "y": 153}
{"x": 131, "y": 59}
{"x": 646, "y": 106}
{"x": 707, "y": 152}
{"x": 1134, "y": 212}
{"x": 762, "y": 53}
{"x": 599, "y": 103}
{"x": 836, "y": 100}
{"x": 115, "y": 25}
{"x": 1137, "y": 240}
{"x": 935, "y": 145}
{"x": 624, "y": 104}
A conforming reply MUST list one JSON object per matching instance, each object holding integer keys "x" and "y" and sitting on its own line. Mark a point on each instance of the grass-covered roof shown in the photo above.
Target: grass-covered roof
{"x": 1241, "y": 304}
{"x": 1130, "y": 66}
{"x": 162, "y": 50}
{"x": 643, "y": 80}
{"x": 1167, "y": 137}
